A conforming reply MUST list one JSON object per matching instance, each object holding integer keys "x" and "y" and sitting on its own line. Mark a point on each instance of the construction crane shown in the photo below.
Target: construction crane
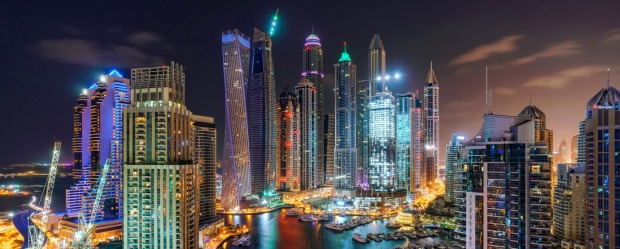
{"x": 87, "y": 226}
{"x": 36, "y": 235}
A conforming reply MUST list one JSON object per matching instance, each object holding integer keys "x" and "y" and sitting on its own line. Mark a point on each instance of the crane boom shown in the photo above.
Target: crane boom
{"x": 37, "y": 236}
{"x": 86, "y": 227}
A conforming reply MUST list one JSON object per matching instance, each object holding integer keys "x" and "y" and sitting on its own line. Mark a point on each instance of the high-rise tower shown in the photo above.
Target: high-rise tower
{"x": 308, "y": 130}
{"x": 404, "y": 108}
{"x": 431, "y": 126}
{"x": 382, "y": 173}
{"x": 601, "y": 147}
{"x": 362, "y": 96}
{"x": 345, "y": 154}
{"x": 204, "y": 137}
{"x": 313, "y": 71}
{"x": 417, "y": 145}
{"x": 288, "y": 171}
{"x": 262, "y": 108}
{"x": 376, "y": 64}
{"x": 160, "y": 179}
{"x": 329, "y": 140}
{"x": 236, "y": 180}
{"x": 97, "y": 135}
{"x": 454, "y": 151}
{"x": 503, "y": 187}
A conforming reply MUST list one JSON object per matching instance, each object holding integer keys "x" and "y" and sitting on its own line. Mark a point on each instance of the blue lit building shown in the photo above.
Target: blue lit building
{"x": 97, "y": 135}
{"x": 382, "y": 173}
{"x": 454, "y": 151}
{"x": 236, "y": 176}
{"x": 345, "y": 153}
{"x": 404, "y": 108}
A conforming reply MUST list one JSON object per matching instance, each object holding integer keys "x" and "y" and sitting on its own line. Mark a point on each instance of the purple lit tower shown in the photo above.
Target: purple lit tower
{"x": 236, "y": 181}
{"x": 97, "y": 135}
{"x": 313, "y": 71}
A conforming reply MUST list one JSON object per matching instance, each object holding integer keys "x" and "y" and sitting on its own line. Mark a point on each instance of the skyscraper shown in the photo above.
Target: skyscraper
{"x": 376, "y": 64}
{"x": 454, "y": 151}
{"x": 160, "y": 180}
{"x": 431, "y": 126}
{"x": 329, "y": 129}
{"x": 313, "y": 71}
{"x": 601, "y": 130}
{"x": 236, "y": 178}
{"x": 503, "y": 187}
{"x": 345, "y": 153}
{"x": 417, "y": 145}
{"x": 308, "y": 125}
{"x": 404, "y": 108}
{"x": 563, "y": 152}
{"x": 362, "y": 122}
{"x": 573, "y": 149}
{"x": 569, "y": 209}
{"x": 382, "y": 169}
{"x": 262, "y": 108}
{"x": 204, "y": 137}
{"x": 288, "y": 171}
{"x": 97, "y": 136}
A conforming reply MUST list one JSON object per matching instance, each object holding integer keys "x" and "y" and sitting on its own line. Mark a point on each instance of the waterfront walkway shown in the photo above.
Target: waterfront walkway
{"x": 222, "y": 237}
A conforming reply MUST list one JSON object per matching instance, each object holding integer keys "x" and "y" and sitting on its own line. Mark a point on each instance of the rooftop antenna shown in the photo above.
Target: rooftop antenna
{"x": 274, "y": 21}
{"x": 608, "y": 78}
{"x": 489, "y": 93}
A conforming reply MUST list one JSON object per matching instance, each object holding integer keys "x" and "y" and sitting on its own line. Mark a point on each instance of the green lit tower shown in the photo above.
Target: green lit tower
{"x": 345, "y": 158}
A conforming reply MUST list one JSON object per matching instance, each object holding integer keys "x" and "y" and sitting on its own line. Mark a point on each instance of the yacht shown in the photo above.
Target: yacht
{"x": 307, "y": 218}
{"x": 393, "y": 224}
{"x": 244, "y": 240}
{"x": 326, "y": 217}
{"x": 334, "y": 227}
{"x": 358, "y": 237}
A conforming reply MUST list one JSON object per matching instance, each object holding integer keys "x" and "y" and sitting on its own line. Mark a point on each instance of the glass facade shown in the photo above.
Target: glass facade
{"x": 345, "y": 154}
{"x": 403, "y": 140}
{"x": 236, "y": 156}
{"x": 308, "y": 131}
{"x": 382, "y": 172}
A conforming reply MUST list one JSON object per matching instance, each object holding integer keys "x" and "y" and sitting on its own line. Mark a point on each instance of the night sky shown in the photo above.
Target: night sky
{"x": 556, "y": 52}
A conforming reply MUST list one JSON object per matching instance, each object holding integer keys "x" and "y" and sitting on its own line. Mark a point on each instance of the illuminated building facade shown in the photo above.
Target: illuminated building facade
{"x": 382, "y": 169}
{"x": 330, "y": 142}
{"x": 563, "y": 156}
{"x": 160, "y": 180}
{"x": 601, "y": 141}
{"x": 431, "y": 127}
{"x": 236, "y": 178}
{"x": 417, "y": 145}
{"x": 569, "y": 214}
{"x": 574, "y": 149}
{"x": 98, "y": 129}
{"x": 262, "y": 108}
{"x": 204, "y": 137}
{"x": 362, "y": 96}
{"x": 308, "y": 125}
{"x": 503, "y": 187}
{"x": 454, "y": 151}
{"x": 313, "y": 70}
{"x": 288, "y": 171}
{"x": 345, "y": 153}
{"x": 404, "y": 107}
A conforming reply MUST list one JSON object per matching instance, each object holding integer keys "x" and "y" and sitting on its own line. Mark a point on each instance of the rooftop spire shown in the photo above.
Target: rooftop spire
{"x": 608, "y": 78}
{"x": 345, "y": 55}
{"x": 376, "y": 42}
{"x": 431, "y": 78}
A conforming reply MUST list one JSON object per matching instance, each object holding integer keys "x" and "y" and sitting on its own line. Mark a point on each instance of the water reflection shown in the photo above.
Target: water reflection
{"x": 275, "y": 230}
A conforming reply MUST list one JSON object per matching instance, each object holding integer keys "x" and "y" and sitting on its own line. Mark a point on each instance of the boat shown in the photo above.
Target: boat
{"x": 326, "y": 217}
{"x": 244, "y": 240}
{"x": 307, "y": 218}
{"x": 358, "y": 237}
{"x": 393, "y": 224}
{"x": 334, "y": 227}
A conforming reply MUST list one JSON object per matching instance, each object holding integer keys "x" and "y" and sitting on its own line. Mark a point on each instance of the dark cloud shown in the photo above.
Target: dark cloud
{"x": 564, "y": 77}
{"x": 142, "y": 38}
{"x": 91, "y": 53}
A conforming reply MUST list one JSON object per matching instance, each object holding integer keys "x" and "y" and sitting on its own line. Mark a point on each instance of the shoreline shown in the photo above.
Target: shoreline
{"x": 257, "y": 212}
